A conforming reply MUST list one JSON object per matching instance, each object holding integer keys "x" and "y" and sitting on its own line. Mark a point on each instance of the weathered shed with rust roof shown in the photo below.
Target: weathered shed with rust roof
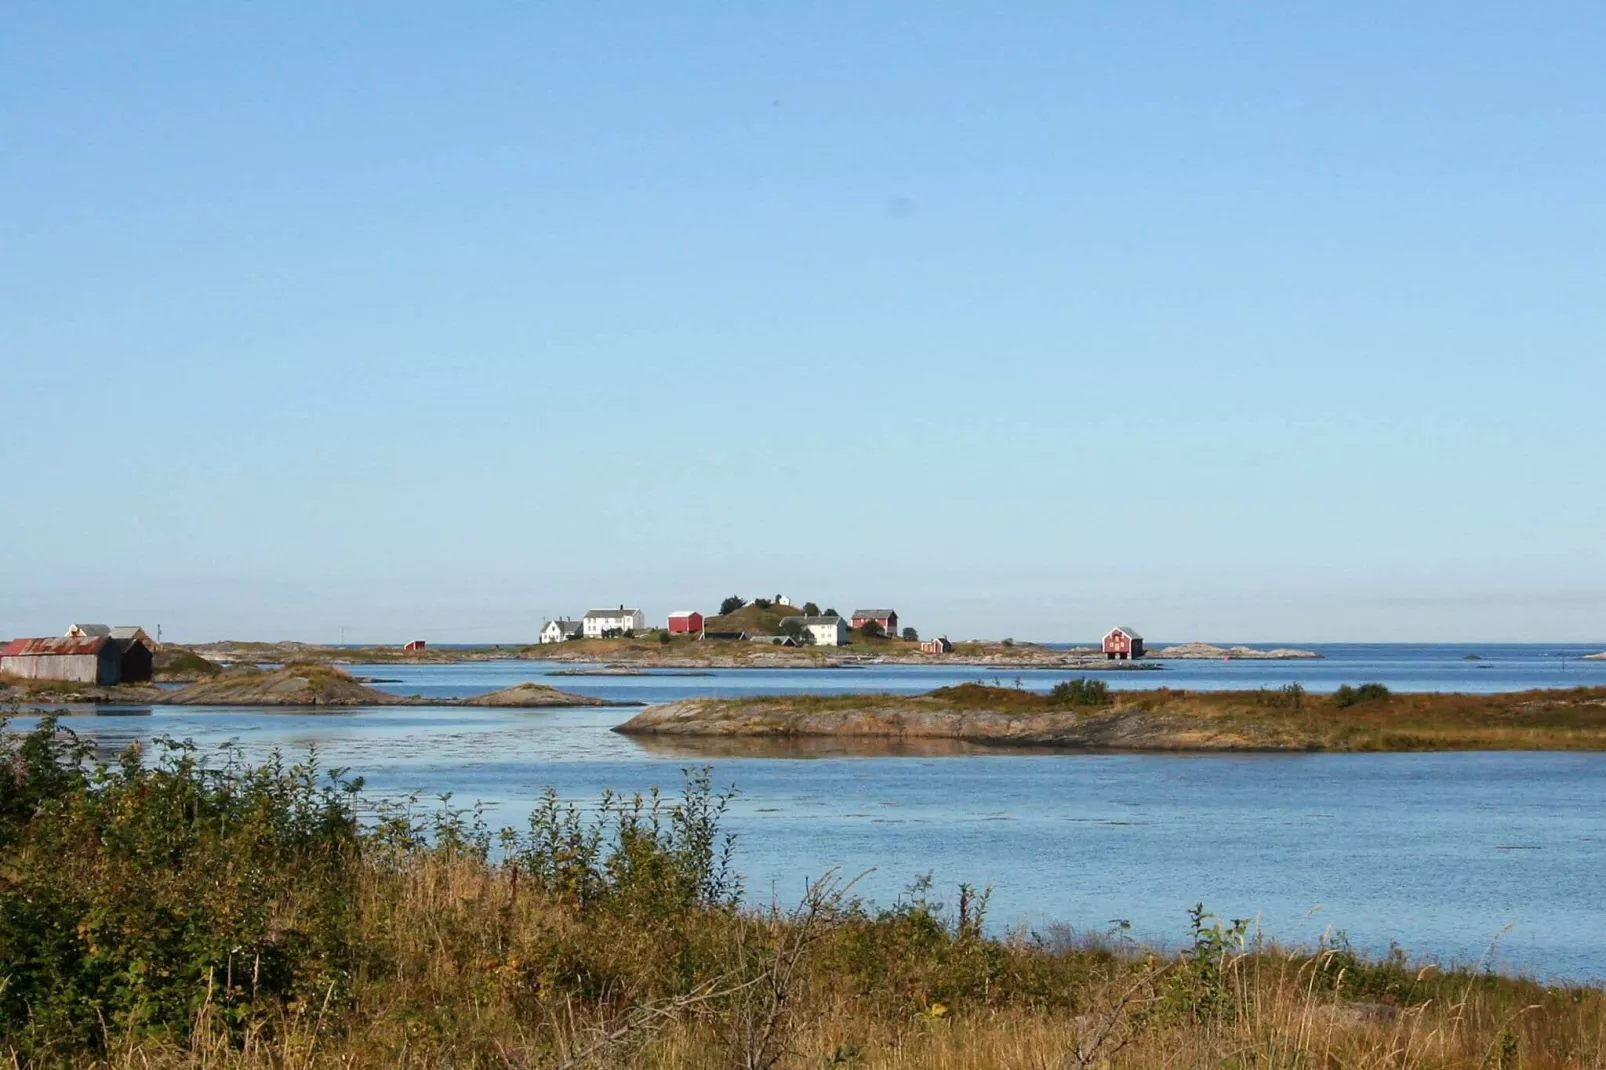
{"x": 89, "y": 660}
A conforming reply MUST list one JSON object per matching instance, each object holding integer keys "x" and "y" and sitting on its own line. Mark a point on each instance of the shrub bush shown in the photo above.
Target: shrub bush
{"x": 1080, "y": 692}
{"x": 1355, "y": 696}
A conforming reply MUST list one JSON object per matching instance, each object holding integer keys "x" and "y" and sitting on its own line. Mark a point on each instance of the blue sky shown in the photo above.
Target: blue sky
{"x": 1250, "y": 322}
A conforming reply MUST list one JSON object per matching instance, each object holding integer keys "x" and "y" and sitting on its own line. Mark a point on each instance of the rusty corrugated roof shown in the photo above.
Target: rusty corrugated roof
{"x": 53, "y": 646}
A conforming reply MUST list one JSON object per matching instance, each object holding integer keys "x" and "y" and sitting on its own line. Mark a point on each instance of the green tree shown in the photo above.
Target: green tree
{"x": 911, "y": 635}
{"x": 873, "y": 630}
{"x": 832, "y": 613}
{"x": 810, "y": 609}
{"x": 731, "y": 605}
{"x": 663, "y": 638}
{"x": 793, "y": 629}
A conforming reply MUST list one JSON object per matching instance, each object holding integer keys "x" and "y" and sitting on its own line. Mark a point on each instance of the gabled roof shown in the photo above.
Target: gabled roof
{"x": 54, "y": 647}
{"x": 128, "y": 631}
{"x": 684, "y": 613}
{"x": 91, "y": 629}
{"x": 874, "y": 614}
{"x": 596, "y": 614}
{"x": 1130, "y": 633}
{"x": 806, "y": 621}
{"x": 565, "y": 625}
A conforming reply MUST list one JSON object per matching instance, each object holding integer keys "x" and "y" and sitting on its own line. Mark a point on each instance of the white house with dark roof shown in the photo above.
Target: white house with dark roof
{"x": 558, "y": 631}
{"x": 826, "y": 631}
{"x": 599, "y": 623}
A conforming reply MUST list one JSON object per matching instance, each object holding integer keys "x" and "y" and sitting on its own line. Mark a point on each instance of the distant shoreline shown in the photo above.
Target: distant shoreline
{"x": 684, "y": 653}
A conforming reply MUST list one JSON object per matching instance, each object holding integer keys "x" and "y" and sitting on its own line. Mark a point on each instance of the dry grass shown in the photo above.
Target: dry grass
{"x": 464, "y": 968}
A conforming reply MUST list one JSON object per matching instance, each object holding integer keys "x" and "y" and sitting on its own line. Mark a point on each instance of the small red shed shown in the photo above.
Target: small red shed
{"x": 1123, "y": 644}
{"x": 415, "y": 645}
{"x": 685, "y": 622}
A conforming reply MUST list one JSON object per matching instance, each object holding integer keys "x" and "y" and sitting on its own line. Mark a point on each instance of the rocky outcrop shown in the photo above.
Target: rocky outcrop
{"x": 293, "y": 685}
{"x": 913, "y": 718}
{"x": 1596, "y": 657}
{"x": 324, "y": 685}
{"x": 1205, "y": 651}
{"x": 535, "y": 696}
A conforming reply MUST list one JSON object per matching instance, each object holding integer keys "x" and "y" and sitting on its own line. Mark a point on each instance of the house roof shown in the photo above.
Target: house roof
{"x": 685, "y": 613}
{"x": 54, "y": 647}
{"x": 563, "y": 624}
{"x": 1130, "y": 633}
{"x": 92, "y": 629}
{"x": 806, "y": 621}
{"x": 874, "y": 614}
{"x": 128, "y": 631}
{"x": 595, "y": 614}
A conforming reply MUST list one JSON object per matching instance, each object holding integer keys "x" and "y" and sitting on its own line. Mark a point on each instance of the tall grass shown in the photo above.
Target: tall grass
{"x": 165, "y": 910}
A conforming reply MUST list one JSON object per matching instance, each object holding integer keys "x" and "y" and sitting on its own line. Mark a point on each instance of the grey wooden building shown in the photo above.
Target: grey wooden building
{"x": 88, "y": 660}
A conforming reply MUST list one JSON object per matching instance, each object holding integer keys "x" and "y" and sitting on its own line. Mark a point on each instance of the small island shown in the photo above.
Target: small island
{"x": 296, "y": 684}
{"x": 1085, "y": 715}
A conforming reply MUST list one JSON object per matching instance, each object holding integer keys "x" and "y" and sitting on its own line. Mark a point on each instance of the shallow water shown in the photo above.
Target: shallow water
{"x": 1442, "y": 853}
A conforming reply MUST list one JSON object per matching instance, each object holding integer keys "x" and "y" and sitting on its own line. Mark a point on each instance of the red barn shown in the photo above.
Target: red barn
{"x": 414, "y": 646}
{"x": 1123, "y": 644}
{"x": 886, "y": 619}
{"x": 685, "y": 622}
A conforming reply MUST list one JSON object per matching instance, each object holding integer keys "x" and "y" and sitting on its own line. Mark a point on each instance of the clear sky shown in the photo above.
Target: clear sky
{"x": 1227, "y": 321}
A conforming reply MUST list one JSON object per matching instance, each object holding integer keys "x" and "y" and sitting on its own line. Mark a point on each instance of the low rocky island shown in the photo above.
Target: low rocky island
{"x": 1207, "y": 651}
{"x": 293, "y": 685}
{"x": 1087, "y": 717}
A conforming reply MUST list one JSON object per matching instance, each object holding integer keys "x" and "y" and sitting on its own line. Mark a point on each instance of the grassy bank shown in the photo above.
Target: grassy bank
{"x": 1084, "y": 713}
{"x": 167, "y": 912}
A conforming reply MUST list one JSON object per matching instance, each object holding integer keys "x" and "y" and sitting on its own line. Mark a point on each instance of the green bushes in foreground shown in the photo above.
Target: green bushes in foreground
{"x": 167, "y": 910}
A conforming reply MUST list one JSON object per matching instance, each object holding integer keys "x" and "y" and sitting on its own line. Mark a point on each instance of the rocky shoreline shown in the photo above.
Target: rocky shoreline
{"x": 1206, "y": 651}
{"x": 1165, "y": 720}
{"x": 293, "y": 685}
{"x": 620, "y": 655}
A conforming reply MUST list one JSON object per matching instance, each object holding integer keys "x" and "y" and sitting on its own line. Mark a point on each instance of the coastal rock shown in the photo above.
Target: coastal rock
{"x": 1595, "y": 657}
{"x": 325, "y": 685}
{"x": 536, "y": 696}
{"x": 293, "y": 685}
{"x": 1207, "y": 651}
{"x": 924, "y": 717}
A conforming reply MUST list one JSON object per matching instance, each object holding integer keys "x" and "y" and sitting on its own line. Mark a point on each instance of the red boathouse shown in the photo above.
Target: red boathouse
{"x": 1123, "y": 644}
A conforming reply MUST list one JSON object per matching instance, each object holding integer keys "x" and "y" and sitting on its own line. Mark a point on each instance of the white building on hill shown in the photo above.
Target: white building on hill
{"x": 600, "y": 623}
{"x": 827, "y": 631}
{"x": 557, "y": 631}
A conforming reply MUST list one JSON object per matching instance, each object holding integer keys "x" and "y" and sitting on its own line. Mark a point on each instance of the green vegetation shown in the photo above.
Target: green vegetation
{"x": 175, "y": 664}
{"x": 731, "y": 605}
{"x": 1355, "y": 696}
{"x": 1080, "y": 692}
{"x": 167, "y": 911}
{"x": 911, "y": 636}
{"x": 753, "y": 619}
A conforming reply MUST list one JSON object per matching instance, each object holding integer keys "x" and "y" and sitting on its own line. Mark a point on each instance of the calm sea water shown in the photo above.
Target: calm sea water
{"x": 1441, "y": 853}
